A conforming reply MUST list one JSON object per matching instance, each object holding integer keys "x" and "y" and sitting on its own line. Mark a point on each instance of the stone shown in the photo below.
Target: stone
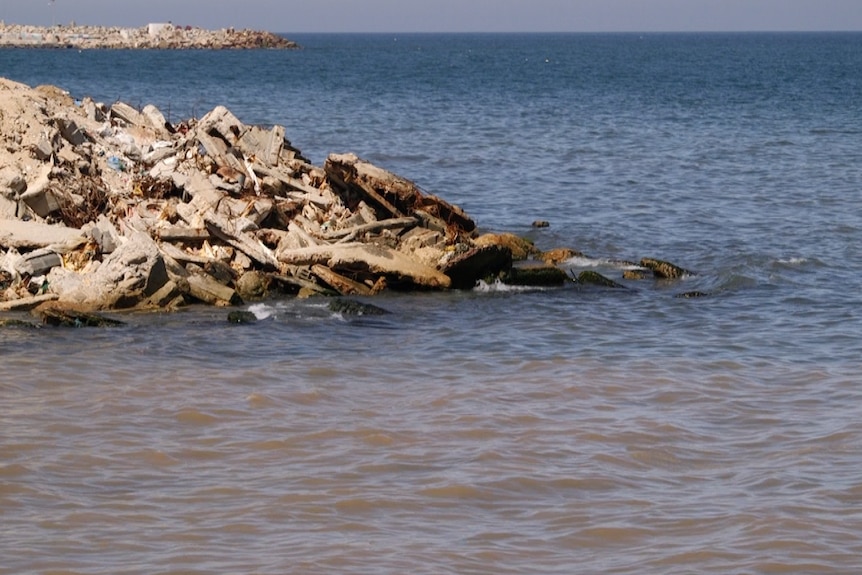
{"x": 345, "y": 306}
{"x": 155, "y": 119}
{"x": 69, "y": 317}
{"x": 590, "y": 277}
{"x": 466, "y": 269}
{"x": 27, "y": 303}
{"x": 128, "y": 114}
{"x": 240, "y": 316}
{"x": 535, "y": 276}
{"x": 12, "y": 182}
{"x": 39, "y": 196}
{"x": 70, "y": 131}
{"x": 126, "y": 278}
{"x": 355, "y": 259}
{"x": 205, "y": 288}
{"x": 692, "y": 295}
{"x": 393, "y": 195}
{"x": 169, "y": 296}
{"x": 637, "y": 275}
{"x": 16, "y": 323}
{"x": 31, "y": 235}
{"x": 39, "y": 262}
{"x": 253, "y": 285}
{"x": 559, "y": 255}
{"x": 105, "y": 235}
{"x": 663, "y": 269}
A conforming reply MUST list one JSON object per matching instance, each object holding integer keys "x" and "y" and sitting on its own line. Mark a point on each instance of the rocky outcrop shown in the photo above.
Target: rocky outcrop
{"x": 110, "y": 207}
{"x": 158, "y": 36}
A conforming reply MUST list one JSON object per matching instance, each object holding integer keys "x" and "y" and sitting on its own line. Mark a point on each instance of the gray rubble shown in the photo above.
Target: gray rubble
{"x": 108, "y": 207}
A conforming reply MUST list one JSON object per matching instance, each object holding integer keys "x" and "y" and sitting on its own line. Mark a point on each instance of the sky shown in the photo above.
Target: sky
{"x": 301, "y": 16}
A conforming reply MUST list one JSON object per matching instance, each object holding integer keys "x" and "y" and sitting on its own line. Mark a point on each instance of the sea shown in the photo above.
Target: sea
{"x": 572, "y": 430}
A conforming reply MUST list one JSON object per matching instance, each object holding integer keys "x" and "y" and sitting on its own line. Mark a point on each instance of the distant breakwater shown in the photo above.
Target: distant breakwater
{"x": 154, "y": 36}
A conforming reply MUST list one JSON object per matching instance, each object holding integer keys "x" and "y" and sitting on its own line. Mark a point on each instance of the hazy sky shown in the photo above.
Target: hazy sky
{"x": 449, "y": 15}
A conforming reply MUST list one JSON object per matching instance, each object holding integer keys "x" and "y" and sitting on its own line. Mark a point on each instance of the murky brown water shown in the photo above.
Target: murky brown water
{"x": 482, "y": 464}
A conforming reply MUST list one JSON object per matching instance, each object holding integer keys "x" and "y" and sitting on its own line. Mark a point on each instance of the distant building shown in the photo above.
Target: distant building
{"x": 155, "y": 29}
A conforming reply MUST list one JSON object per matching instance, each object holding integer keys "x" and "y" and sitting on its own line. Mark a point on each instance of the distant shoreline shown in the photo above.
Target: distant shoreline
{"x": 153, "y": 36}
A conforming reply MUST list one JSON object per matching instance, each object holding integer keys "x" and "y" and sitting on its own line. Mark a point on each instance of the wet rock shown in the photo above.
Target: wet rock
{"x": 206, "y": 289}
{"x": 520, "y": 248}
{"x": 637, "y": 274}
{"x": 240, "y": 317}
{"x": 541, "y": 224}
{"x": 535, "y": 276}
{"x": 692, "y": 295}
{"x": 353, "y": 307}
{"x": 590, "y": 277}
{"x": 466, "y": 269}
{"x": 369, "y": 262}
{"x": 559, "y": 255}
{"x": 16, "y": 323}
{"x": 663, "y": 269}
{"x": 71, "y": 317}
{"x": 253, "y": 285}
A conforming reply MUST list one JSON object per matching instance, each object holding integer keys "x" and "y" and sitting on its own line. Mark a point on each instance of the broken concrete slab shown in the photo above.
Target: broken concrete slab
{"x": 205, "y": 288}
{"x": 127, "y": 277}
{"x": 27, "y": 303}
{"x": 31, "y": 235}
{"x": 359, "y": 259}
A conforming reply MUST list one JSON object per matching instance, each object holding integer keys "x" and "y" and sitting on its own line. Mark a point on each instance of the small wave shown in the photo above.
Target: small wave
{"x": 588, "y": 262}
{"x": 498, "y": 286}
{"x": 261, "y": 310}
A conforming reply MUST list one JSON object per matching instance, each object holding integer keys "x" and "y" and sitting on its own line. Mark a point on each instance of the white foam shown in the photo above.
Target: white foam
{"x": 261, "y": 310}
{"x": 498, "y": 286}
{"x": 586, "y": 262}
{"x": 793, "y": 261}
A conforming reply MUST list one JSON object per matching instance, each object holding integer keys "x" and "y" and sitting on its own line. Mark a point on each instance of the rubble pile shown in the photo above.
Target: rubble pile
{"x": 110, "y": 207}
{"x": 163, "y": 36}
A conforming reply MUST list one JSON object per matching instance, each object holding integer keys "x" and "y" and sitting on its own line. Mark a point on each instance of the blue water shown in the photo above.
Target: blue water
{"x": 727, "y": 423}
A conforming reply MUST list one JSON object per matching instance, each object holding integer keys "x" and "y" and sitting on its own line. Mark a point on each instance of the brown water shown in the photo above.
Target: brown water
{"x": 122, "y": 452}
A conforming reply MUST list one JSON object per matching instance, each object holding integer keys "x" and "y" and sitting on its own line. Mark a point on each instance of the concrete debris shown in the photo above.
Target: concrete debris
{"x": 110, "y": 207}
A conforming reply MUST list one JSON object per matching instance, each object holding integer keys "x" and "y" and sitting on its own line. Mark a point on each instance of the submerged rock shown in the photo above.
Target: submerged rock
{"x": 692, "y": 295}
{"x": 65, "y": 317}
{"x": 590, "y": 277}
{"x": 16, "y": 323}
{"x": 535, "y": 276}
{"x": 239, "y": 316}
{"x": 663, "y": 269}
{"x": 479, "y": 263}
{"x": 353, "y": 307}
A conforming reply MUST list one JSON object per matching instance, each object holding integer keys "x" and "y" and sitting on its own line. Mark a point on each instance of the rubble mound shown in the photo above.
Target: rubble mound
{"x": 157, "y": 36}
{"x": 111, "y": 207}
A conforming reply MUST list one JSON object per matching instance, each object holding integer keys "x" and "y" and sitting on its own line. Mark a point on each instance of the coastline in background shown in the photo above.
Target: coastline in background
{"x": 162, "y": 36}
